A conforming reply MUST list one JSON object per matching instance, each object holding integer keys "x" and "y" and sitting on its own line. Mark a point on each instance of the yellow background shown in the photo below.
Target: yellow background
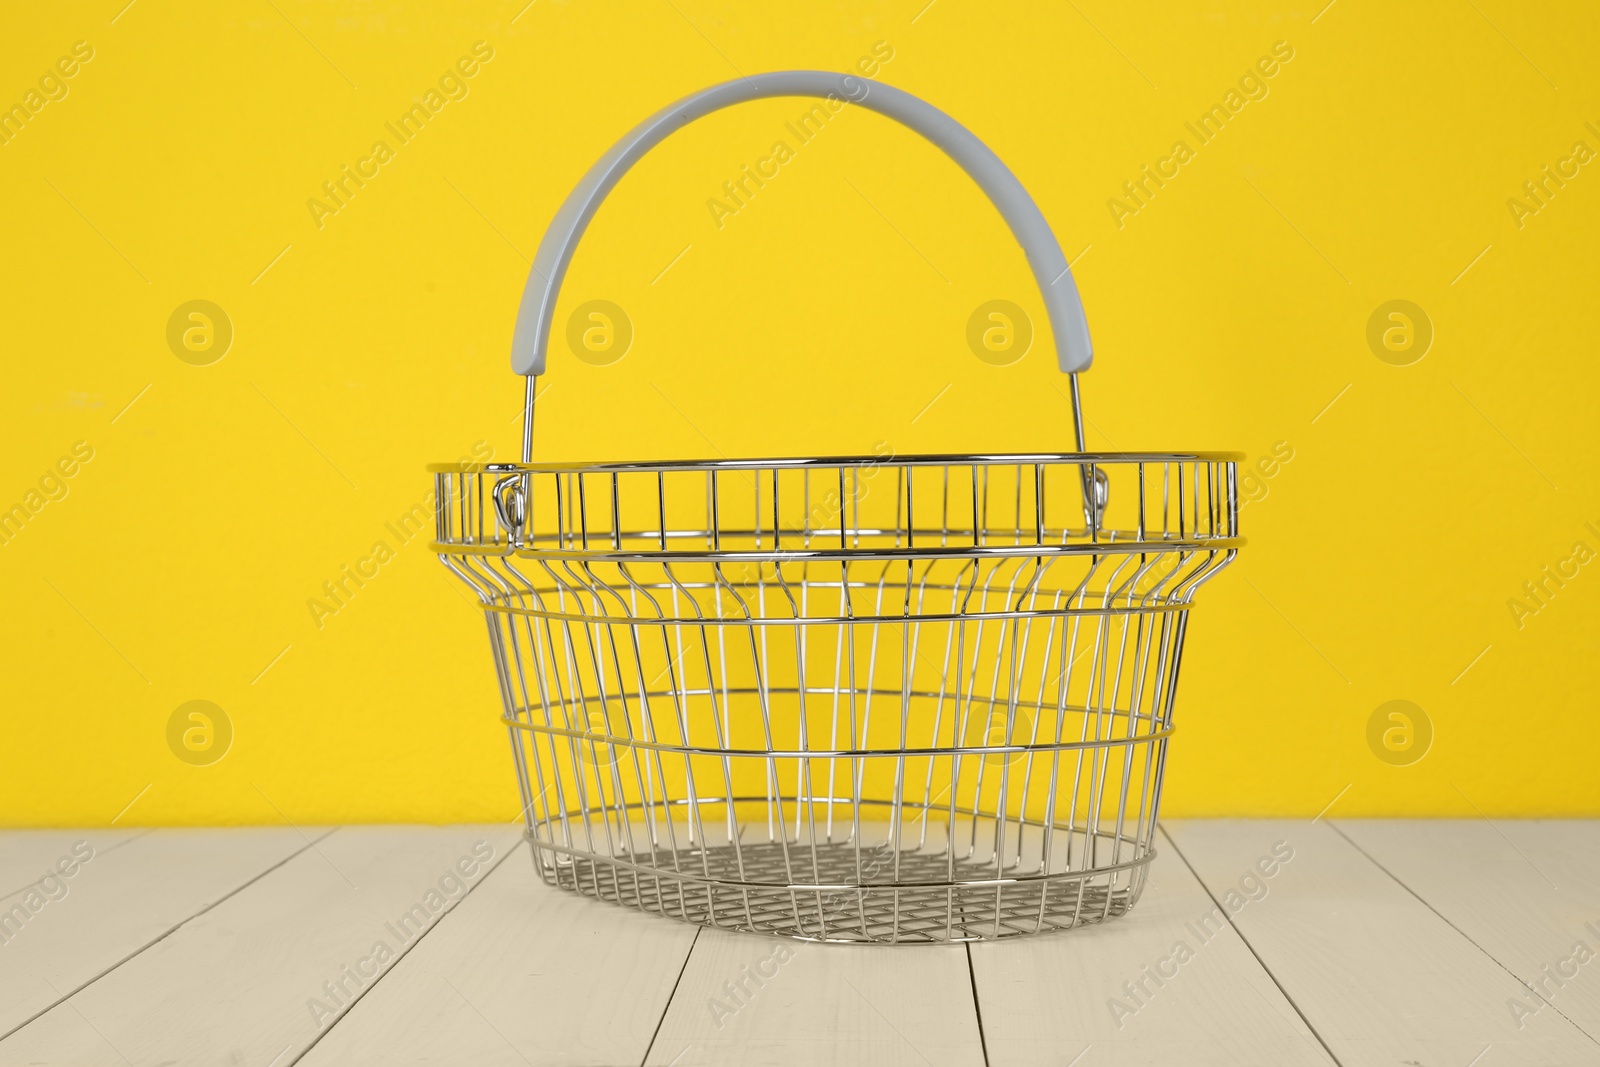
{"x": 824, "y": 317}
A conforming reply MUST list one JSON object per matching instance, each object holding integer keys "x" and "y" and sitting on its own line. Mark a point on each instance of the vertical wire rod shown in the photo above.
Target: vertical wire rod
{"x": 532, "y": 393}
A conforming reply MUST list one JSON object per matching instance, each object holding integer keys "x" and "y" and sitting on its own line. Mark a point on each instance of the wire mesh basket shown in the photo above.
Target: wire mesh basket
{"x": 883, "y": 699}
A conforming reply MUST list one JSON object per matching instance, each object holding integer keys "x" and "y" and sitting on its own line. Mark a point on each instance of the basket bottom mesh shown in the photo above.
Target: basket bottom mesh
{"x": 711, "y": 887}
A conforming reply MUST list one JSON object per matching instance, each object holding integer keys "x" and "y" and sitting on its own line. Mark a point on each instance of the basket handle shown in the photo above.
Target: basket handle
{"x": 1073, "y": 350}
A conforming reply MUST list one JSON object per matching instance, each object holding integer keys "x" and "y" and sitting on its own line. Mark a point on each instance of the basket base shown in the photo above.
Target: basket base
{"x": 806, "y": 893}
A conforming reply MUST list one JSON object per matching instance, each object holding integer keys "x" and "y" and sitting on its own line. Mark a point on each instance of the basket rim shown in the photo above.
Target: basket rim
{"x": 925, "y": 459}
{"x": 851, "y": 554}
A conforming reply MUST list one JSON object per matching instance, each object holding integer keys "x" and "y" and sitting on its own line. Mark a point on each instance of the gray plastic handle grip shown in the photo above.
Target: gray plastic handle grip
{"x": 1073, "y": 349}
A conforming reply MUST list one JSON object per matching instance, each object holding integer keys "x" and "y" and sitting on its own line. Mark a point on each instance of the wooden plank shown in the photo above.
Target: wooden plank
{"x": 125, "y": 890}
{"x": 520, "y": 974}
{"x": 1124, "y": 993}
{"x": 1381, "y": 978}
{"x": 1526, "y": 892}
{"x": 816, "y": 1005}
{"x": 240, "y": 983}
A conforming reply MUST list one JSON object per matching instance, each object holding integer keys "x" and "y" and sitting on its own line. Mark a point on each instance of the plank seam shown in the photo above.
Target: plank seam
{"x": 1468, "y": 937}
{"x": 670, "y": 996}
{"x": 345, "y": 1014}
{"x": 161, "y": 937}
{"x": 977, "y": 1006}
{"x": 98, "y": 853}
{"x": 1246, "y": 942}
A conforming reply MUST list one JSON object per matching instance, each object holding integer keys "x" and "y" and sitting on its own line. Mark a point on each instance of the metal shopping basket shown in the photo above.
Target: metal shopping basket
{"x": 888, "y": 698}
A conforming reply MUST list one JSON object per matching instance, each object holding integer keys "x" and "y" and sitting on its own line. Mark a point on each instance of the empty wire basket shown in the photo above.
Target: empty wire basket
{"x": 886, "y": 698}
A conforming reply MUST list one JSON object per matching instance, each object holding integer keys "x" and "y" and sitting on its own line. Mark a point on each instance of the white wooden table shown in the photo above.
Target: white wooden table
{"x": 1433, "y": 943}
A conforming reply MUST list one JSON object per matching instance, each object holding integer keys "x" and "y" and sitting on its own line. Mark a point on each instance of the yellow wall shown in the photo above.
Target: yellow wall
{"x": 1229, "y": 312}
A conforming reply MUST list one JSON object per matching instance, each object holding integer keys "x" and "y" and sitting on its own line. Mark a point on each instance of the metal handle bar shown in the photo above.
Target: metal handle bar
{"x": 1073, "y": 349}
{"x": 1074, "y": 352}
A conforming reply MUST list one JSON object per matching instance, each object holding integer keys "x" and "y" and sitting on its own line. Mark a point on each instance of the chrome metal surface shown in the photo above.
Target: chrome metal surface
{"x": 880, "y": 698}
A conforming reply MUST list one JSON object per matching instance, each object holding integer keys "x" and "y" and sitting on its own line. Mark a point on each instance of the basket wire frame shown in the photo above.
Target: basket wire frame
{"x": 880, "y": 699}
